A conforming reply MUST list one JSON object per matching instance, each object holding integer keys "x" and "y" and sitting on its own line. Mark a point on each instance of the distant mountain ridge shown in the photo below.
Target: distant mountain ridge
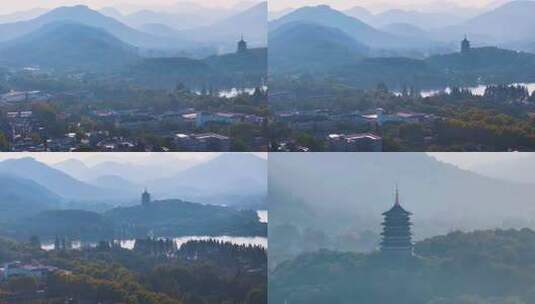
{"x": 42, "y": 200}
{"x": 57, "y": 181}
{"x": 93, "y": 41}
{"x": 81, "y": 47}
{"x": 360, "y": 31}
{"x": 251, "y": 23}
{"x": 426, "y": 20}
{"x": 22, "y": 15}
{"x": 520, "y": 170}
{"x": 230, "y": 179}
{"x": 86, "y": 16}
{"x": 512, "y": 21}
{"x": 244, "y": 184}
{"x": 21, "y": 197}
{"x": 440, "y": 195}
{"x": 506, "y": 24}
{"x": 309, "y": 46}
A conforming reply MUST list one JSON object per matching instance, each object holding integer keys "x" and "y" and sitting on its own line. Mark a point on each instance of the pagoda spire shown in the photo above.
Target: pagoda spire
{"x": 397, "y": 235}
{"x": 397, "y": 195}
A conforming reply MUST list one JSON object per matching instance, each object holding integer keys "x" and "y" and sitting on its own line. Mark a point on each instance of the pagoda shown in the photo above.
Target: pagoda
{"x": 396, "y": 235}
{"x": 465, "y": 45}
{"x": 242, "y": 46}
{"x": 145, "y": 198}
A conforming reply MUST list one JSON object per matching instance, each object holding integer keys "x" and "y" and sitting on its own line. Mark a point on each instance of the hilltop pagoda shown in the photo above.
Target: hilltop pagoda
{"x": 242, "y": 46}
{"x": 396, "y": 235}
{"x": 465, "y": 45}
{"x": 145, "y": 198}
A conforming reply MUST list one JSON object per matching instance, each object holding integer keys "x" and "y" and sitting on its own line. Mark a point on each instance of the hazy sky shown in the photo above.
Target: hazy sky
{"x": 379, "y": 5}
{"x": 468, "y": 160}
{"x": 461, "y": 160}
{"x": 95, "y": 158}
{"x": 9, "y": 6}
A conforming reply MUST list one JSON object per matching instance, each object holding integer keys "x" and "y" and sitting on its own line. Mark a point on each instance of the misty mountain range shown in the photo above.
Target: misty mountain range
{"x": 338, "y": 193}
{"x": 518, "y": 170}
{"x": 347, "y": 50}
{"x": 90, "y": 38}
{"x": 413, "y": 34}
{"x": 231, "y": 179}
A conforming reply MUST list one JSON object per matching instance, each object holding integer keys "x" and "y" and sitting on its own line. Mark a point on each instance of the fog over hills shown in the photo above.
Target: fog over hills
{"x": 423, "y": 19}
{"x": 505, "y": 24}
{"x": 234, "y": 180}
{"x": 238, "y": 177}
{"x": 22, "y": 15}
{"x": 383, "y": 41}
{"x": 56, "y": 181}
{"x": 456, "y": 7}
{"x": 405, "y": 29}
{"x": 150, "y": 53}
{"x": 345, "y": 192}
{"x": 167, "y": 32}
{"x": 520, "y": 170}
{"x": 326, "y": 16}
{"x": 509, "y": 23}
{"x": 215, "y": 196}
{"x": 83, "y": 15}
{"x": 174, "y": 21}
{"x": 68, "y": 46}
{"x": 22, "y": 197}
{"x": 306, "y": 45}
{"x": 138, "y": 172}
{"x": 251, "y": 23}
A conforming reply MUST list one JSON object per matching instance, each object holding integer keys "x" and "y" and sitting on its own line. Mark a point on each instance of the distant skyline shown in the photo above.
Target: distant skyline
{"x": 9, "y": 7}
{"x": 382, "y": 5}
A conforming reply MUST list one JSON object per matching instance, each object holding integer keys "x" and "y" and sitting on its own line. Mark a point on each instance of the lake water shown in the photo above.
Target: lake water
{"x": 231, "y": 93}
{"x": 263, "y": 215}
{"x": 238, "y": 240}
{"x": 477, "y": 90}
{"x": 235, "y": 92}
{"x": 129, "y": 244}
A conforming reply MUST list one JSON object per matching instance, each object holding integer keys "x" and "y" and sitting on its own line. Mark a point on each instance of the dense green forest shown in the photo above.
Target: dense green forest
{"x": 492, "y": 266}
{"x": 199, "y": 272}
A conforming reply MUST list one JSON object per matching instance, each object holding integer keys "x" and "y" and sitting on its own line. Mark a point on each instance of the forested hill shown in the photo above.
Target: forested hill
{"x": 175, "y": 217}
{"x": 491, "y": 267}
{"x": 228, "y": 70}
{"x": 82, "y": 48}
{"x": 303, "y": 46}
{"x": 481, "y": 65}
{"x": 171, "y": 218}
{"x": 487, "y": 65}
